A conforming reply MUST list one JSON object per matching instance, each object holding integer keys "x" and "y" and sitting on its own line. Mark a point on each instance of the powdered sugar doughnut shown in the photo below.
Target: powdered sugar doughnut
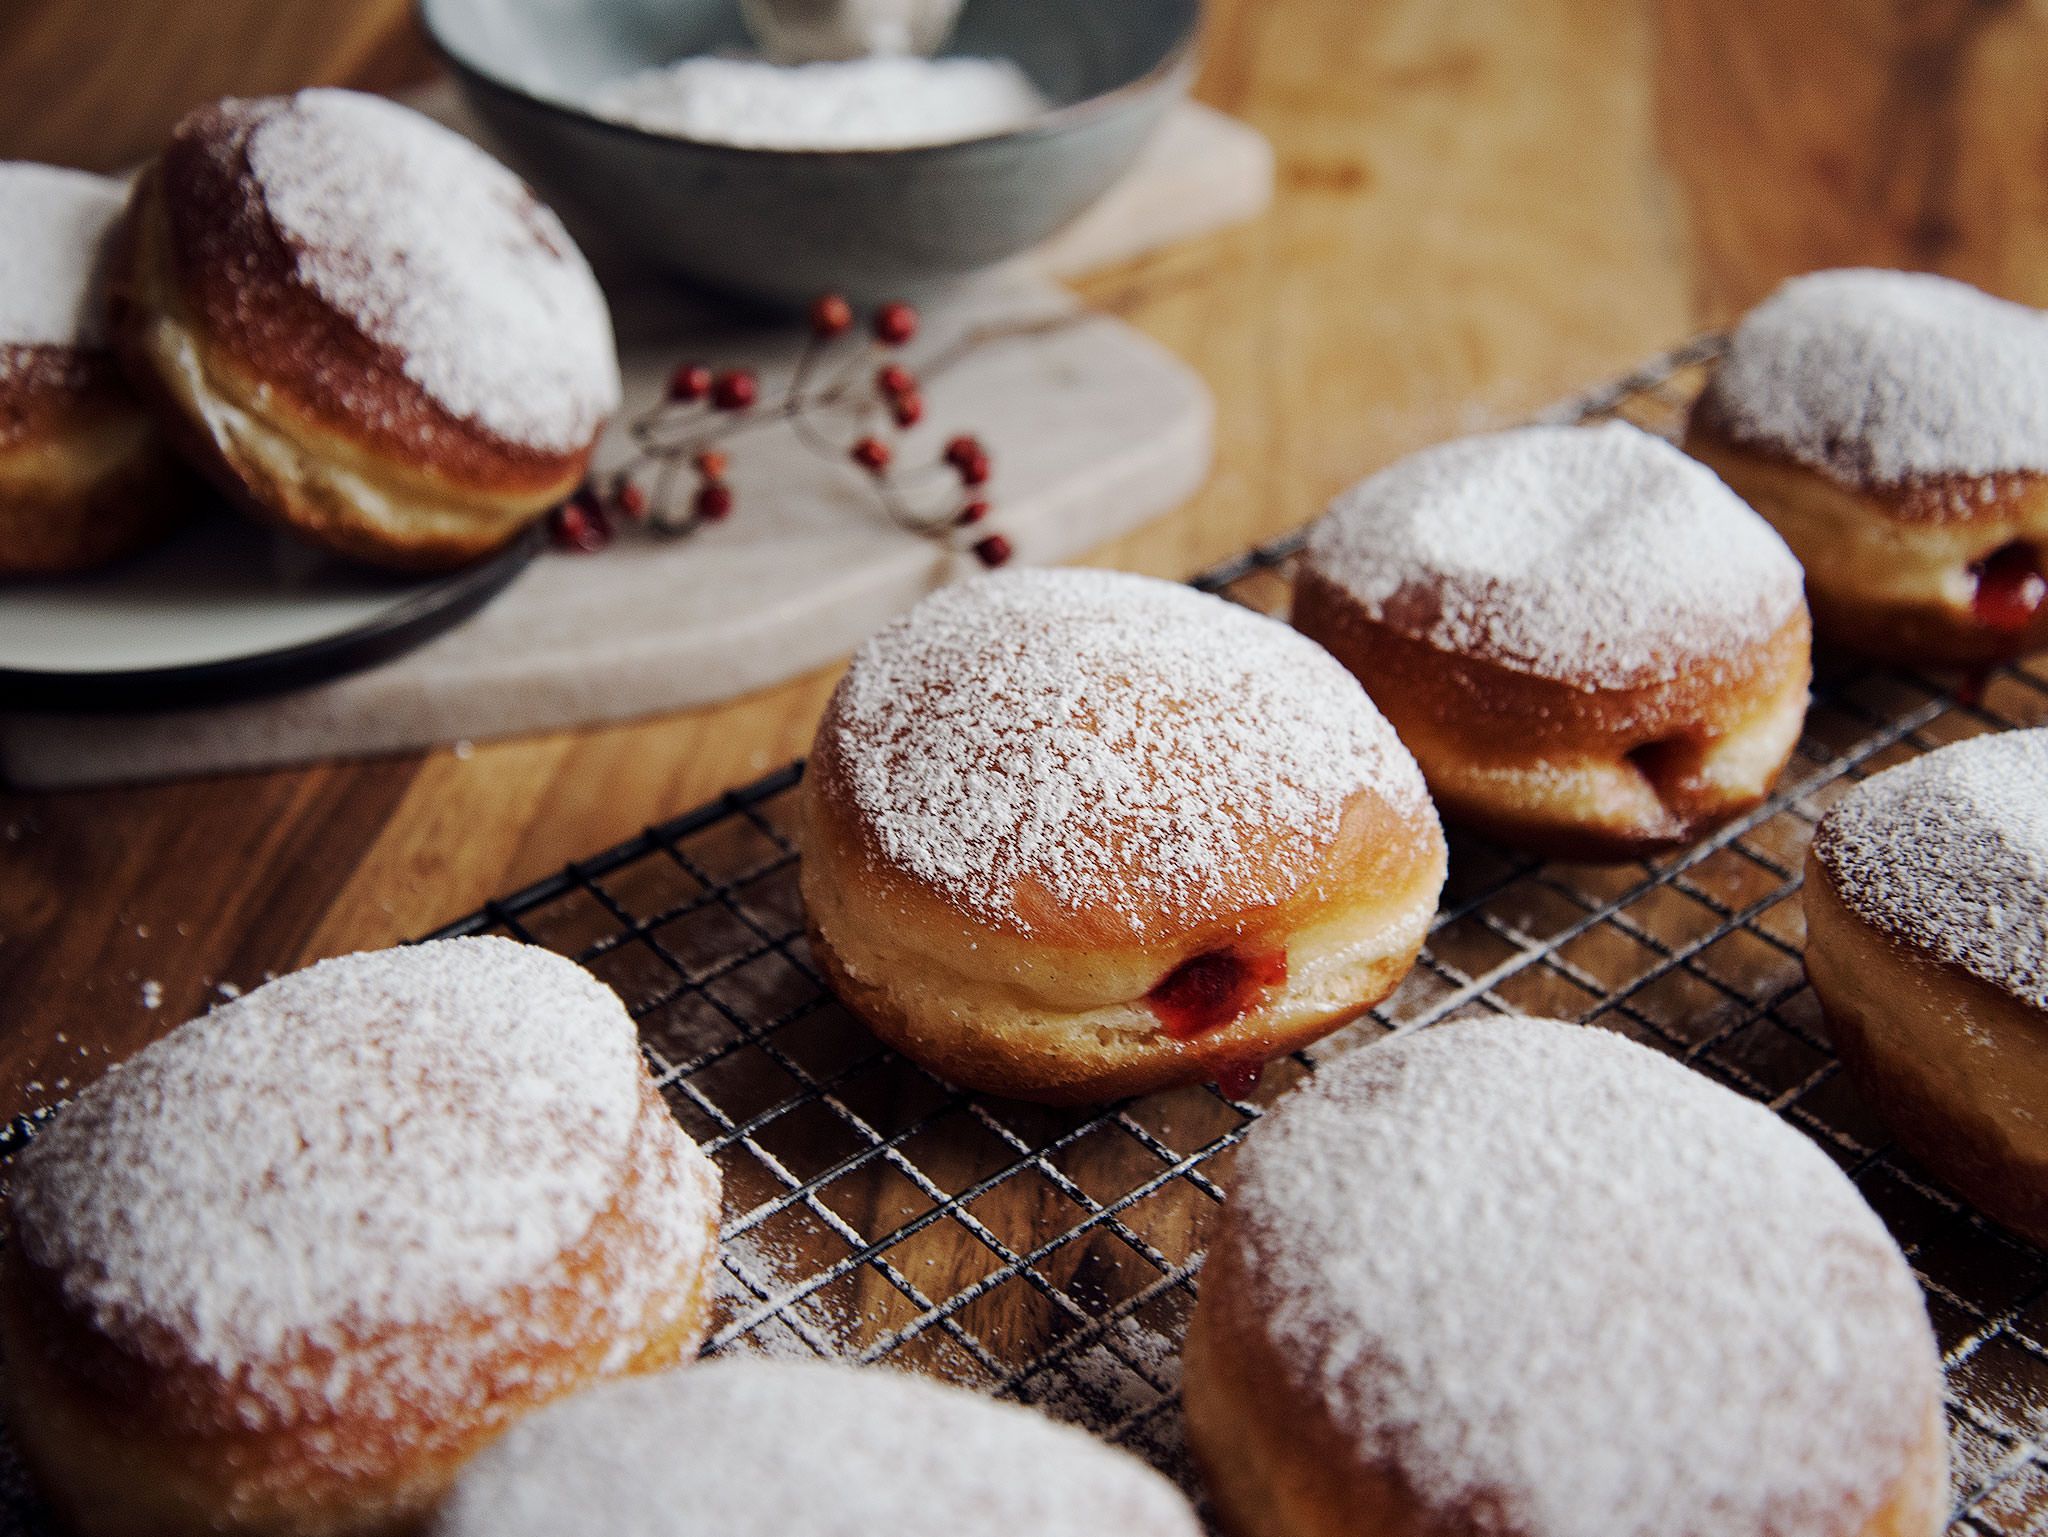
{"x": 84, "y": 478}
{"x": 288, "y": 1267}
{"x": 1927, "y": 942}
{"x": 1076, "y": 834}
{"x": 1531, "y": 1279}
{"x": 1894, "y": 426}
{"x": 1590, "y": 645}
{"x": 755, "y": 1448}
{"x": 366, "y": 328}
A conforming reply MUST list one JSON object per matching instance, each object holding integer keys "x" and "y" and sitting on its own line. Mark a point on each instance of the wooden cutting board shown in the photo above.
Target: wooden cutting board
{"x": 1093, "y": 429}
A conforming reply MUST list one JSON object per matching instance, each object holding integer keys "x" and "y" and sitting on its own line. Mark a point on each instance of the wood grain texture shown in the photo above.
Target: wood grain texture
{"x": 1481, "y": 207}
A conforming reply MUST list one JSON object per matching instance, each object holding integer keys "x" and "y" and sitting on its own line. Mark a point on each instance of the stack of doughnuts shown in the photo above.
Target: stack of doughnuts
{"x": 84, "y": 477}
{"x": 1071, "y": 835}
{"x": 1927, "y": 943}
{"x": 352, "y": 320}
{"x": 1591, "y": 646}
{"x": 288, "y": 1267}
{"x": 1894, "y": 427}
{"x": 771, "y": 1449}
{"x": 1529, "y": 1279}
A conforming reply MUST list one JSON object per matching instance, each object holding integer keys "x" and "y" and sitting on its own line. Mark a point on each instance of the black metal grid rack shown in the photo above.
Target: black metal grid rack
{"x": 875, "y": 1213}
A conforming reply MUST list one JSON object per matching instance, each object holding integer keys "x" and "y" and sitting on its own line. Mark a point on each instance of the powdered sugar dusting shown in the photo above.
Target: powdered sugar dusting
{"x": 1560, "y": 1276}
{"x": 870, "y": 103}
{"x": 769, "y": 1448}
{"x": 1596, "y": 556}
{"x": 1093, "y": 734}
{"x": 1882, "y": 378}
{"x": 53, "y": 223}
{"x": 439, "y": 252}
{"x": 366, "y": 1143}
{"x": 1950, "y": 854}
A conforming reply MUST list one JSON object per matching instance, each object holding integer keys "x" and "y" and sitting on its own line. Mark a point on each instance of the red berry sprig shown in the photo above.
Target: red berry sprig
{"x": 679, "y": 477}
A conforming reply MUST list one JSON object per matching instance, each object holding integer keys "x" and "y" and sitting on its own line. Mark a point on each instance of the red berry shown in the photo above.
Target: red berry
{"x": 711, "y": 464}
{"x": 908, "y": 409}
{"x": 872, "y": 454}
{"x": 895, "y": 324}
{"x": 972, "y": 513}
{"x": 690, "y": 382}
{"x": 714, "y": 502}
{"x": 896, "y": 380}
{"x": 735, "y": 391}
{"x": 974, "y": 471}
{"x": 579, "y": 524}
{"x": 830, "y": 315}
{"x": 993, "y": 551}
{"x": 630, "y": 500}
{"x": 964, "y": 448}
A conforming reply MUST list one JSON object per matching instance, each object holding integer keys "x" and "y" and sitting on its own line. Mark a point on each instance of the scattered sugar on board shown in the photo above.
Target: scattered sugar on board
{"x": 53, "y": 223}
{"x": 440, "y": 253}
{"x": 366, "y": 1143}
{"x": 1885, "y": 377}
{"x": 873, "y": 103}
{"x": 1949, "y": 853}
{"x": 1599, "y": 556}
{"x": 1039, "y": 726}
{"x": 754, "y": 1266}
{"x": 780, "y": 1447}
{"x": 1103, "y": 1386}
{"x": 1557, "y": 1273}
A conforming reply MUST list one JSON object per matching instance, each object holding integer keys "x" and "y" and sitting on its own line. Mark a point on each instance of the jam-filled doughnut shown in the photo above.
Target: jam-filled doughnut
{"x": 1530, "y": 1279}
{"x": 84, "y": 478}
{"x": 362, "y": 326}
{"x": 752, "y": 1448}
{"x": 1590, "y": 645}
{"x": 1927, "y": 943}
{"x": 1070, "y": 835}
{"x": 1894, "y": 427}
{"x": 283, "y": 1271}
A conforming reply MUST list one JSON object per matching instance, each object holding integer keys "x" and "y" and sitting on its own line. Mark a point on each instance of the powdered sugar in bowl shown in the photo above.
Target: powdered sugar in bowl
{"x": 1036, "y": 110}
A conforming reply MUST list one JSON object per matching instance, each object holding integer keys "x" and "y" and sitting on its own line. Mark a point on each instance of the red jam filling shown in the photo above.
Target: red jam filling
{"x": 1239, "y": 1079}
{"x": 1209, "y": 991}
{"x": 2010, "y": 589}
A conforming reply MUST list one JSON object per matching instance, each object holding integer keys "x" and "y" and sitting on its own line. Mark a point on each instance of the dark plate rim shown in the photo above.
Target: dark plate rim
{"x": 411, "y": 622}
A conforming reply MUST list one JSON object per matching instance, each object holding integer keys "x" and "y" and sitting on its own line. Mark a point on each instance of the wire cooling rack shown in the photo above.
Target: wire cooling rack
{"x": 876, "y": 1213}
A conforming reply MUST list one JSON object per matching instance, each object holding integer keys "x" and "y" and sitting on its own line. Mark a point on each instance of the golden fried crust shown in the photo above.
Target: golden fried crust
{"x": 83, "y": 477}
{"x": 1571, "y": 771}
{"x": 282, "y": 399}
{"x": 131, "y": 1437}
{"x": 1957, "y": 1068}
{"x": 1373, "y": 846}
{"x": 1276, "y": 1465}
{"x": 1888, "y": 567}
{"x": 1056, "y": 1011}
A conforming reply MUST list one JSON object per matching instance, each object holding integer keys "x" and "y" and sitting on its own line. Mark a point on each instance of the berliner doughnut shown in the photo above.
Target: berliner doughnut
{"x": 753, "y": 1448}
{"x": 1071, "y": 835}
{"x": 84, "y": 479}
{"x": 1592, "y": 648}
{"x": 1927, "y": 943}
{"x": 362, "y": 326}
{"x": 1894, "y": 427}
{"x": 1529, "y": 1279}
{"x": 287, "y": 1268}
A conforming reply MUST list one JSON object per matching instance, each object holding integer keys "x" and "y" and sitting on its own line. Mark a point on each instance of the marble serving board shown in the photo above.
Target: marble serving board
{"x": 1093, "y": 429}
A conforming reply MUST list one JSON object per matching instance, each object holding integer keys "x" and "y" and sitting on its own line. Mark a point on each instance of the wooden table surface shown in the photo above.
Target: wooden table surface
{"x": 1482, "y": 206}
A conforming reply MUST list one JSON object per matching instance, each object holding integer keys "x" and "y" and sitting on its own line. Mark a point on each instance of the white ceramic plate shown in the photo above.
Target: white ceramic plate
{"x": 221, "y": 611}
